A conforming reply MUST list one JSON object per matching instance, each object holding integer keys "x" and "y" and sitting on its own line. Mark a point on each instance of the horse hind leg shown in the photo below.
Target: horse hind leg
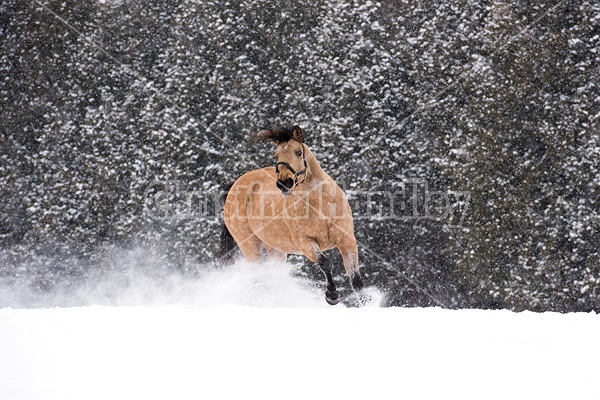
{"x": 350, "y": 256}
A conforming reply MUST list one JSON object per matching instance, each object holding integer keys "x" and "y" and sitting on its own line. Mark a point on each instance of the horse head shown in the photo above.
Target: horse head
{"x": 291, "y": 167}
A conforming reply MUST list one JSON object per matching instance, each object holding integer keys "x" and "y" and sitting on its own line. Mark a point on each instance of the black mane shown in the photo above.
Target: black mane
{"x": 280, "y": 134}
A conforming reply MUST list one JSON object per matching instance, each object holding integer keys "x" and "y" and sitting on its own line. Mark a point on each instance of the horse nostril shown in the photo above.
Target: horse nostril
{"x": 288, "y": 183}
{"x": 285, "y": 185}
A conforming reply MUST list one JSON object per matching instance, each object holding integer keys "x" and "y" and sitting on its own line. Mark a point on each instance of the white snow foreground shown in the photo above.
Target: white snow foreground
{"x": 273, "y": 338}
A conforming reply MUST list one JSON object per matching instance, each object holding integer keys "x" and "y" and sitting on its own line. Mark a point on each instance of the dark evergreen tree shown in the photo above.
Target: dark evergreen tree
{"x": 120, "y": 123}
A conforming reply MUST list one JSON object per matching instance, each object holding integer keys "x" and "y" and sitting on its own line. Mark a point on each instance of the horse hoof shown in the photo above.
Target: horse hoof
{"x": 332, "y": 298}
{"x": 357, "y": 283}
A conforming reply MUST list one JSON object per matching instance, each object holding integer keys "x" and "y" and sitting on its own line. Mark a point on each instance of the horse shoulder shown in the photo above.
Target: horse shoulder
{"x": 334, "y": 200}
{"x": 340, "y": 221}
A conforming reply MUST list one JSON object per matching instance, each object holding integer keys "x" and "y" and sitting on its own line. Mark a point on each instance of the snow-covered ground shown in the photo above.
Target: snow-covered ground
{"x": 256, "y": 332}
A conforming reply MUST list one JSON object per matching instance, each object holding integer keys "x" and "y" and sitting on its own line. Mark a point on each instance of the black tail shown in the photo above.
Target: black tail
{"x": 228, "y": 246}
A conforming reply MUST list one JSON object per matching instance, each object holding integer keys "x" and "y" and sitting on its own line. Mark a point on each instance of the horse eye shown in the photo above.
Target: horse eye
{"x": 299, "y": 153}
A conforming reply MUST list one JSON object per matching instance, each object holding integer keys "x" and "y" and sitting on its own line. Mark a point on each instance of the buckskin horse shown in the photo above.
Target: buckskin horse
{"x": 292, "y": 208}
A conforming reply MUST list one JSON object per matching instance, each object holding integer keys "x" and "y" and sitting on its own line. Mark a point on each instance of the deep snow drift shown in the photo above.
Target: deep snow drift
{"x": 137, "y": 280}
{"x": 256, "y": 332}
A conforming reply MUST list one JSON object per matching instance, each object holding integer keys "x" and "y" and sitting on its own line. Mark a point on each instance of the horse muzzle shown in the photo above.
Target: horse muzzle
{"x": 285, "y": 186}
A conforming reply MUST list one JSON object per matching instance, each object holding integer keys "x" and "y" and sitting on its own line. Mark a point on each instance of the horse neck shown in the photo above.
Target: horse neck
{"x": 316, "y": 173}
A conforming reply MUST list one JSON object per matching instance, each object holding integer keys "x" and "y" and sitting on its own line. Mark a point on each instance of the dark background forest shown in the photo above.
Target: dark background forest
{"x": 121, "y": 121}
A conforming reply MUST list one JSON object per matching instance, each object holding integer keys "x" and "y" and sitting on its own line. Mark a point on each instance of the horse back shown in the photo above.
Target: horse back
{"x": 256, "y": 207}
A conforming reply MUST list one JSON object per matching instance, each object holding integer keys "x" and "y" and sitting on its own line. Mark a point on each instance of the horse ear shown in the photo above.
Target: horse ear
{"x": 298, "y": 134}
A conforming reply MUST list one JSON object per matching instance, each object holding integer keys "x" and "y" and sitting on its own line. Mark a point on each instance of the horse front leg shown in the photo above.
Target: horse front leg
{"x": 313, "y": 252}
{"x": 331, "y": 294}
{"x": 274, "y": 254}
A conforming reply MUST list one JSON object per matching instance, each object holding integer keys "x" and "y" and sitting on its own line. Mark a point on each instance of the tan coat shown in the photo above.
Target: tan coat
{"x": 315, "y": 217}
